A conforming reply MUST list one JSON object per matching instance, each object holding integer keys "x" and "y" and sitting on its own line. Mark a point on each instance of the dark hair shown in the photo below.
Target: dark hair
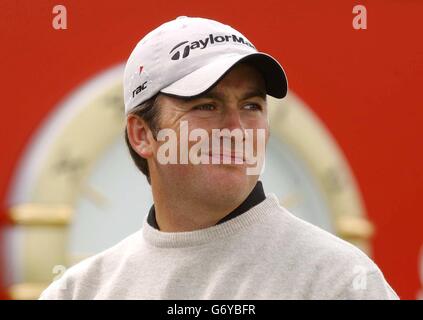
{"x": 149, "y": 112}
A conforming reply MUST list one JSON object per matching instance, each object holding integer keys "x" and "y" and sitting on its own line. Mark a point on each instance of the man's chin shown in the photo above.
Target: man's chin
{"x": 227, "y": 176}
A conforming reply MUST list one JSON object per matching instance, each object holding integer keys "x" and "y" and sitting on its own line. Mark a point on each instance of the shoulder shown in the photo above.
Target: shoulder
{"x": 84, "y": 279}
{"x": 306, "y": 239}
{"x": 330, "y": 266}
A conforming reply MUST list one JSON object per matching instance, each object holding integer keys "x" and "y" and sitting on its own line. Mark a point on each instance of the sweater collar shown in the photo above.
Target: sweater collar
{"x": 217, "y": 232}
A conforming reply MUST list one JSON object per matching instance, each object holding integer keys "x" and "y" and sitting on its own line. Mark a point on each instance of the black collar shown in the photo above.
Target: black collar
{"x": 254, "y": 198}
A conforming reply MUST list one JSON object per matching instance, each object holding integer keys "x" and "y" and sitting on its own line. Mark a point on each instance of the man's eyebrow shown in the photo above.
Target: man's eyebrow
{"x": 218, "y": 96}
{"x": 255, "y": 93}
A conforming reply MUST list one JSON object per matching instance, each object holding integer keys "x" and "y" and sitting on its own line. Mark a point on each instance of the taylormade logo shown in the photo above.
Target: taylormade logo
{"x": 183, "y": 49}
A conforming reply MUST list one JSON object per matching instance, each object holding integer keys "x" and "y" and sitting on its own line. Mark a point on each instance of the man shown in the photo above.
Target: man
{"x": 212, "y": 233}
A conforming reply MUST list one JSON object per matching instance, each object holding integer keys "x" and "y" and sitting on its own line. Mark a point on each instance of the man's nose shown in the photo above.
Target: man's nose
{"x": 232, "y": 120}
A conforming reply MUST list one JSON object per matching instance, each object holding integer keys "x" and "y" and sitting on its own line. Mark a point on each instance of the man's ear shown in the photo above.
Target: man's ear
{"x": 140, "y": 136}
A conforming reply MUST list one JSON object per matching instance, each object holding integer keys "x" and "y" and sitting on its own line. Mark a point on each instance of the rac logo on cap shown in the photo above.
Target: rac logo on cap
{"x": 180, "y": 51}
{"x": 139, "y": 89}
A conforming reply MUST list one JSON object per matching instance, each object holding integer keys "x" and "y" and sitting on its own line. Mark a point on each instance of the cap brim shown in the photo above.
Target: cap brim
{"x": 206, "y": 77}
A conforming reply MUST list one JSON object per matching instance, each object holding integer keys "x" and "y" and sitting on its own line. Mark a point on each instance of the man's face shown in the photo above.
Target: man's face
{"x": 238, "y": 101}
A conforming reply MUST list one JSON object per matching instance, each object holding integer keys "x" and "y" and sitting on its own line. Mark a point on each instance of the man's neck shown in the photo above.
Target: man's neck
{"x": 256, "y": 196}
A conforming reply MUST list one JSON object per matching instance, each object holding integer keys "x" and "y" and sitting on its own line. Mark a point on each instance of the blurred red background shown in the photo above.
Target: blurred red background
{"x": 364, "y": 84}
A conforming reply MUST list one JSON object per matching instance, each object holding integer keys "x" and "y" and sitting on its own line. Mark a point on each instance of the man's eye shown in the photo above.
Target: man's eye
{"x": 253, "y": 106}
{"x": 206, "y": 107}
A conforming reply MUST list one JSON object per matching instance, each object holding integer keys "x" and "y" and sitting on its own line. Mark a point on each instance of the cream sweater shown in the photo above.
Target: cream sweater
{"x": 265, "y": 253}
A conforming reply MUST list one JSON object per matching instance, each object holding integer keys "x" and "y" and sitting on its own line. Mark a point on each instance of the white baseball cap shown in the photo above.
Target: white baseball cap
{"x": 185, "y": 57}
